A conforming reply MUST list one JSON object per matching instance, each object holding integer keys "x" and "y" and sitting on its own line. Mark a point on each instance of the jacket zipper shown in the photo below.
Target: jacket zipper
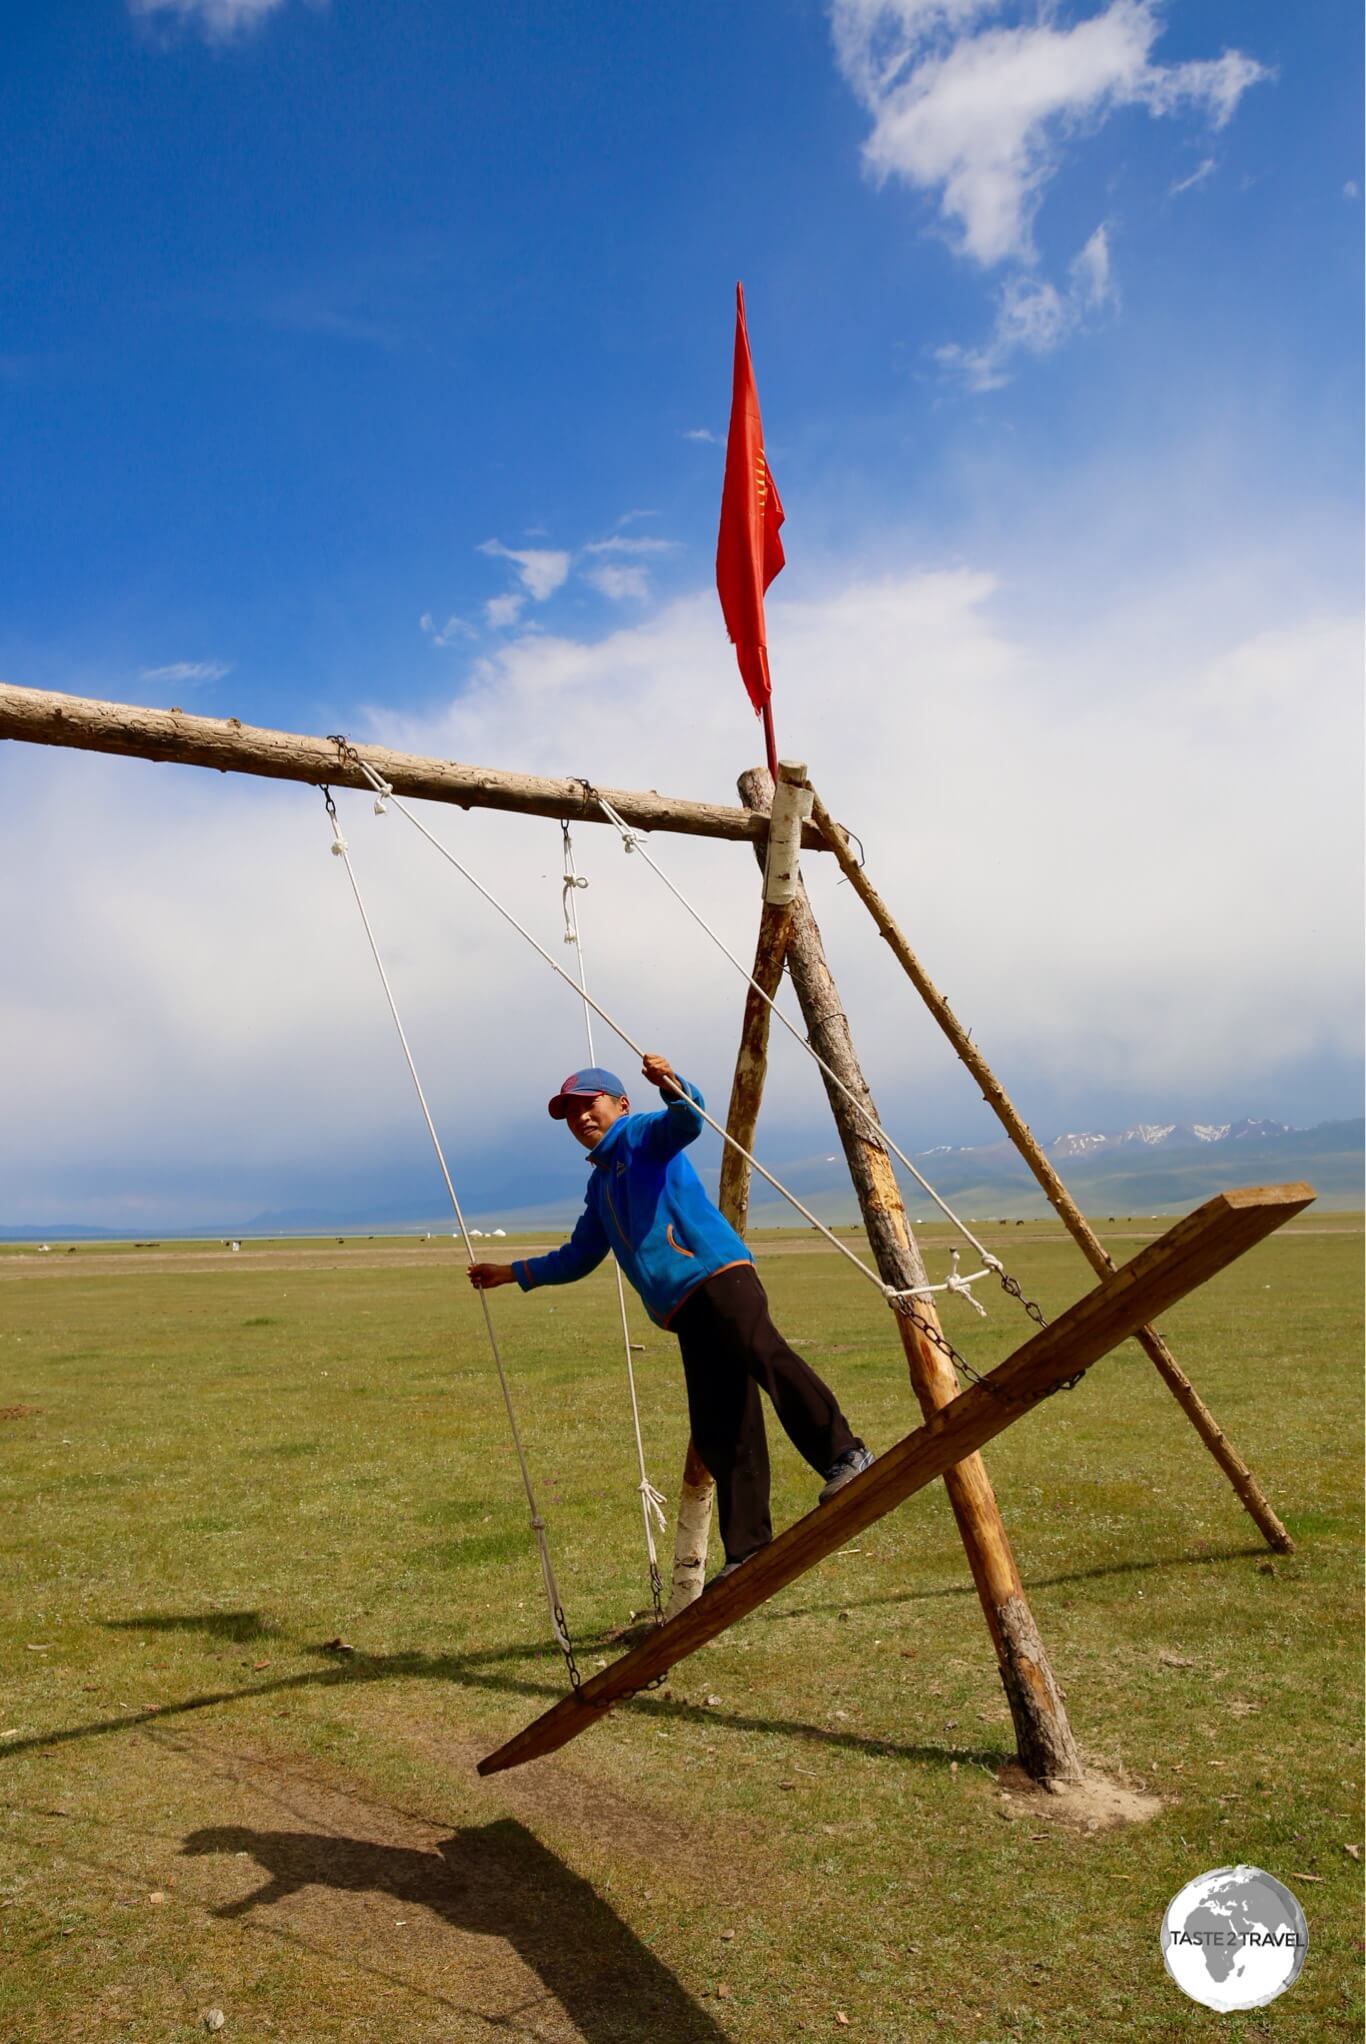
{"x": 611, "y": 1207}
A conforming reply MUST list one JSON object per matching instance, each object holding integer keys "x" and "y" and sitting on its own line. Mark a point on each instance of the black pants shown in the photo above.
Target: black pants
{"x": 731, "y": 1349}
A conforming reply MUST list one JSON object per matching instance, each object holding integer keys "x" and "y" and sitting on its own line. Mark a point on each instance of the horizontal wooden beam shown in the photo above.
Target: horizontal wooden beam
{"x": 1165, "y": 1271}
{"x": 41, "y": 717}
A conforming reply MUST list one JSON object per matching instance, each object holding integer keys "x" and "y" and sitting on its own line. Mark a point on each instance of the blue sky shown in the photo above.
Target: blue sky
{"x": 366, "y": 367}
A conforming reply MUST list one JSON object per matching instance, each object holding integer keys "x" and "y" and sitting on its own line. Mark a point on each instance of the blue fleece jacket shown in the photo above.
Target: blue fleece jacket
{"x": 646, "y": 1204}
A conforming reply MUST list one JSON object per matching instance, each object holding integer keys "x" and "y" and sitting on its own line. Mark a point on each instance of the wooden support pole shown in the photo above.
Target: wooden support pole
{"x": 1202, "y": 1244}
{"x": 43, "y": 718}
{"x": 775, "y": 925}
{"x": 792, "y": 803}
{"x": 692, "y": 1532}
{"x": 1046, "y": 1747}
{"x": 1154, "y": 1347}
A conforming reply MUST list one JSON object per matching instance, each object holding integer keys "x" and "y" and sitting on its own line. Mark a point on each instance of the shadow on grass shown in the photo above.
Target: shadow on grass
{"x": 482, "y": 1671}
{"x": 495, "y": 1881}
{"x": 238, "y": 1626}
{"x": 1031, "y": 1583}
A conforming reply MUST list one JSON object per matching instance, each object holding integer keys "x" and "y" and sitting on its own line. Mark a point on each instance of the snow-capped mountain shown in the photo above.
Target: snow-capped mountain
{"x": 1167, "y": 1135}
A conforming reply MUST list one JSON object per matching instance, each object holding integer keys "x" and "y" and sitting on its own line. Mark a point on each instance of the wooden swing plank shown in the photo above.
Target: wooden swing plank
{"x": 1193, "y": 1251}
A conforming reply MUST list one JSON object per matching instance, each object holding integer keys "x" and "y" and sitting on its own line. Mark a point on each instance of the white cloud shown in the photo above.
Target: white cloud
{"x": 618, "y": 544}
{"x": 977, "y": 112}
{"x": 450, "y": 634}
{"x": 188, "y": 670}
{"x": 704, "y": 434}
{"x": 502, "y": 611}
{"x": 1351, "y": 190}
{"x": 1197, "y": 177}
{"x": 1034, "y": 317}
{"x": 210, "y": 949}
{"x": 178, "y": 996}
{"x": 1090, "y": 276}
{"x": 541, "y": 570}
{"x": 219, "y": 20}
{"x": 618, "y": 583}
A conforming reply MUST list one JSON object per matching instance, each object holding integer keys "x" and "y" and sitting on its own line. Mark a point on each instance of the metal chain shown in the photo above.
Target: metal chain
{"x": 347, "y": 752}
{"x": 940, "y": 1340}
{"x": 571, "y": 1665}
{"x": 643, "y": 1688}
{"x": 1032, "y": 1308}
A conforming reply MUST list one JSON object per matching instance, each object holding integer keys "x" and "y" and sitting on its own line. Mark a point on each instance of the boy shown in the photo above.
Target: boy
{"x": 646, "y": 1204}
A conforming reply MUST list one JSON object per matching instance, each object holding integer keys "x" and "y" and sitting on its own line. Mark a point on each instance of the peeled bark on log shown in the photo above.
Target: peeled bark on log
{"x": 692, "y": 1530}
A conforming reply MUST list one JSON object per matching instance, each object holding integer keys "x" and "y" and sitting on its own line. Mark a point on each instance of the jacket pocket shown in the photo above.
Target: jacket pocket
{"x": 674, "y": 1243}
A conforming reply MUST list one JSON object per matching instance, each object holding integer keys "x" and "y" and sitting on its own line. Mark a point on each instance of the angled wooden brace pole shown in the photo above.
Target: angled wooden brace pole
{"x": 1154, "y": 1347}
{"x": 1043, "y": 1736}
{"x": 1202, "y": 1244}
{"x": 791, "y": 808}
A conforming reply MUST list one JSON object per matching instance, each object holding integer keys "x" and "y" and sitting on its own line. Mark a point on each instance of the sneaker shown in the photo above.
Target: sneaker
{"x": 852, "y": 1463}
{"x": 729, "y": 1568}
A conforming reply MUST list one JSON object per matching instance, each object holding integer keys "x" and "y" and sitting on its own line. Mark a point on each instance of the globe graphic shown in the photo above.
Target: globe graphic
{"x": 1234, "y": 1938}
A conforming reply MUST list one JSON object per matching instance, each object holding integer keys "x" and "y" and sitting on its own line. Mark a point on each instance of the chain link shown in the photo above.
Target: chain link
{"x": 566, "y": 1646}
{"x": 346, "y": 751}
{"x": 1031, "y": 1306}
{"x": 940, "y": 1340}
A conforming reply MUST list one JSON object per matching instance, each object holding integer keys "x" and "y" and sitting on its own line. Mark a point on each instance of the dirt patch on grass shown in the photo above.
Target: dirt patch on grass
{"x": 19, "y": 1411}
{"x": 555, "y": 1796}
{"x": 1097, "y": 1803}
{"x": 490, "y": 1922}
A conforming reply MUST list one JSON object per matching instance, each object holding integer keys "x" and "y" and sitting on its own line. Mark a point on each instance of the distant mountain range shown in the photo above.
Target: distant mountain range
{"x": 1150, "y": 1168}
{"x": 1169, "y": 1135}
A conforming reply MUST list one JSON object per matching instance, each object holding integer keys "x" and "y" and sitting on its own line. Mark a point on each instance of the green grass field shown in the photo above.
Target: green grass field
{"x": 215, "y": 1464}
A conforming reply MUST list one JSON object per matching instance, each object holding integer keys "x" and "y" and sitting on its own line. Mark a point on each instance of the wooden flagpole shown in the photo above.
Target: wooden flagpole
{"x": 791, "y": 805}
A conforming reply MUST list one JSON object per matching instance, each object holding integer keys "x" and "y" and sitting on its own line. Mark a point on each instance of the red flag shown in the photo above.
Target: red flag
{"x": 749, "y": 552}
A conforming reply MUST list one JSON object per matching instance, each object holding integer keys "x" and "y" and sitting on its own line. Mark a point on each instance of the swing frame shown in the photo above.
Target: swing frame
{"x": 787, "y": 933}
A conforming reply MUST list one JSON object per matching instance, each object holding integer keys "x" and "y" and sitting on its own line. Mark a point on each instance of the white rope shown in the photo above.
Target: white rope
{"x": 632, "y": 843}
{"x": 652, "y": 1501}
{"x": 383, "y": 789}
{"x": 339, "y": 848}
